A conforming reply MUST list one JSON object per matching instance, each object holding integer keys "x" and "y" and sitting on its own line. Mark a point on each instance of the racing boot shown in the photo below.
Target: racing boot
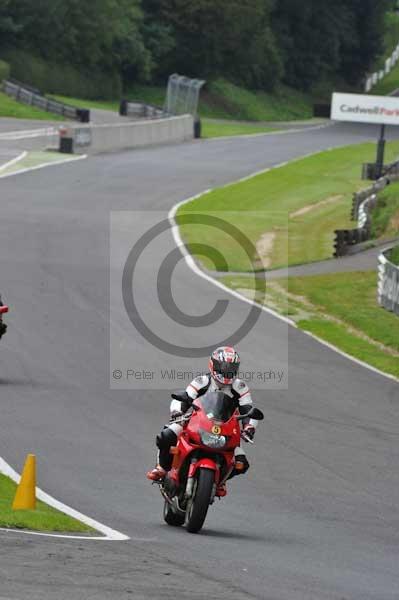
{"x": 221, "y": 491}
{"x": 157, "y": 474}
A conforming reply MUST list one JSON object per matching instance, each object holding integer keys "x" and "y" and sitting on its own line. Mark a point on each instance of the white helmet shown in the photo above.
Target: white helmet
{"x": 224, "y": 364}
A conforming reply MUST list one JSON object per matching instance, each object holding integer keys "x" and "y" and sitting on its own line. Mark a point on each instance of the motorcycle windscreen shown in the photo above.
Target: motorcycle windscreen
{"x": 218, "y": 406}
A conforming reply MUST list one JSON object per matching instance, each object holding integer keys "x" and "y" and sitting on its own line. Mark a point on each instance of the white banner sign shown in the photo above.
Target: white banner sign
{"x": 359, "y": 108}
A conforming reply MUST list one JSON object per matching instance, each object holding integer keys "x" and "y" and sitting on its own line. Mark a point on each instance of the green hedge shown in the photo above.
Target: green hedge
{"x": 66, "y": 80}
{"x": 4, "y": 70}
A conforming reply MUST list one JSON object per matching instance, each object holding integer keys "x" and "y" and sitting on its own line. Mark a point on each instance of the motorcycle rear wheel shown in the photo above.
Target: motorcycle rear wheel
{"x": 198, "y": 507}
{"x": 171, "y": 517}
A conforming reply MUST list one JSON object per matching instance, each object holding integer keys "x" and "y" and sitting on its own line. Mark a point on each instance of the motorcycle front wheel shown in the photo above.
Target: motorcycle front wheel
{"x": 198, "y": 507}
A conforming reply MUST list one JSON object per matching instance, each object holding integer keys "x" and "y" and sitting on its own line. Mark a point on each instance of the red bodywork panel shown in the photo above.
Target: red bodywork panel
{"x": 3, "y": 309}
{"x": 190, "y": 441}
{"x": 203, "y": 463}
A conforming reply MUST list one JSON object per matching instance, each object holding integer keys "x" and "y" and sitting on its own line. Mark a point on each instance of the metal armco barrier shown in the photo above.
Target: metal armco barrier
{"x": 27, "y": 96}
{"x": 388, "y": 283}
{"x": 140, "y": 110}
{"x": 26, "y": 86}
{"x": 349, "y": 237}
{"x": 360, "y": 197}
{"x": 370, "y": 170}
{"x": 362, "y": 205}
{"x": 365, "y": 208}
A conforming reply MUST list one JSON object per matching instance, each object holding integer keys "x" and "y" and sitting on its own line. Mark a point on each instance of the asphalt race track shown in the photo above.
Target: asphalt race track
{"x": 317, "y": 516}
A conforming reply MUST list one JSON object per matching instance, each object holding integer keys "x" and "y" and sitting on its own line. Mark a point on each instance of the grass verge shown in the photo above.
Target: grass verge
{"x": 340, "y": 308}
{"x": 13, "y": 109}
{"x": 290, "y": 213}
{"x": 394, "y": 255}
{"x": 44, "y": 518}
{"x": 391, "y": 37}
{"x": 112, "y": 105}
{"x": 391, "y": 40}
{"x": 385, "y": 221}
{"x": 222, "y": 99}
{"x": 388, "y": 84}
{"x": 147, "y": 93}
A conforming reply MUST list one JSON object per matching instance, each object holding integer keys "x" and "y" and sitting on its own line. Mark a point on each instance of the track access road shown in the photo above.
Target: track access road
{"x": 316, "y": 517}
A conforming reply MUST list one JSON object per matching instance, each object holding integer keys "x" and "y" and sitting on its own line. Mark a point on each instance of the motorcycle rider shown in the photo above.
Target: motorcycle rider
{"x": 3, "y": 326}
{"x": 223, "y": 370}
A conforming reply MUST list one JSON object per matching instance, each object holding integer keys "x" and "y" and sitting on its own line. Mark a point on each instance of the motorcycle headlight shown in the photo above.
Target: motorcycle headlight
{"x": 212, "y": 440}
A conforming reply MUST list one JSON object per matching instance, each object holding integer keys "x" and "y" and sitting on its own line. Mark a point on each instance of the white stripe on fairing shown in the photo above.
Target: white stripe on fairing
{"x": 175, "y": 405}
{"x": 195, "y": 268}
{"x": 108, "y": 533}
{"x": 176, "y": 428}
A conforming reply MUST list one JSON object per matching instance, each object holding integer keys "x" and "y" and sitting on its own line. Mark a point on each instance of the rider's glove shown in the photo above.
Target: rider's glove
{"x": 249, "y": 431}
{"x": 175, "y": 414}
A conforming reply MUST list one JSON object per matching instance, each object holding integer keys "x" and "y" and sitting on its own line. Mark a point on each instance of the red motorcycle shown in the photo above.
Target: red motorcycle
{"x": 203, "y": 458}
{"x": 3, "y": 326}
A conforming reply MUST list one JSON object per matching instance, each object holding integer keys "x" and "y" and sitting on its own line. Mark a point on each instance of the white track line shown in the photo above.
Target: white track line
{"x": 277, "y": 132}
{"x": 194, "y": 267}
{"x": 43, "y": 165}
{"x": 13, "y": 161}
{"x": 26, "y": 134}
{"x": 108, "y": 533}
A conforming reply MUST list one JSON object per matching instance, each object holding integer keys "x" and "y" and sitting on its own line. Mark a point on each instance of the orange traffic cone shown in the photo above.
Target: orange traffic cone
{"x": 25, "y": 497}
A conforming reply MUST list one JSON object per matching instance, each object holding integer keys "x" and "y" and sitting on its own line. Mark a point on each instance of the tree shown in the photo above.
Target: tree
{"x": 8, "y": 27}
{"x": 101, "y": 34}
{"x": 322, "y": 39}
{"x": 230, "y": 38}
{"x": 368, "y": 43}
{"x": 251, "y": 42}
{"x": 309, "y": 34}
{"x": 159, "y": 38}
